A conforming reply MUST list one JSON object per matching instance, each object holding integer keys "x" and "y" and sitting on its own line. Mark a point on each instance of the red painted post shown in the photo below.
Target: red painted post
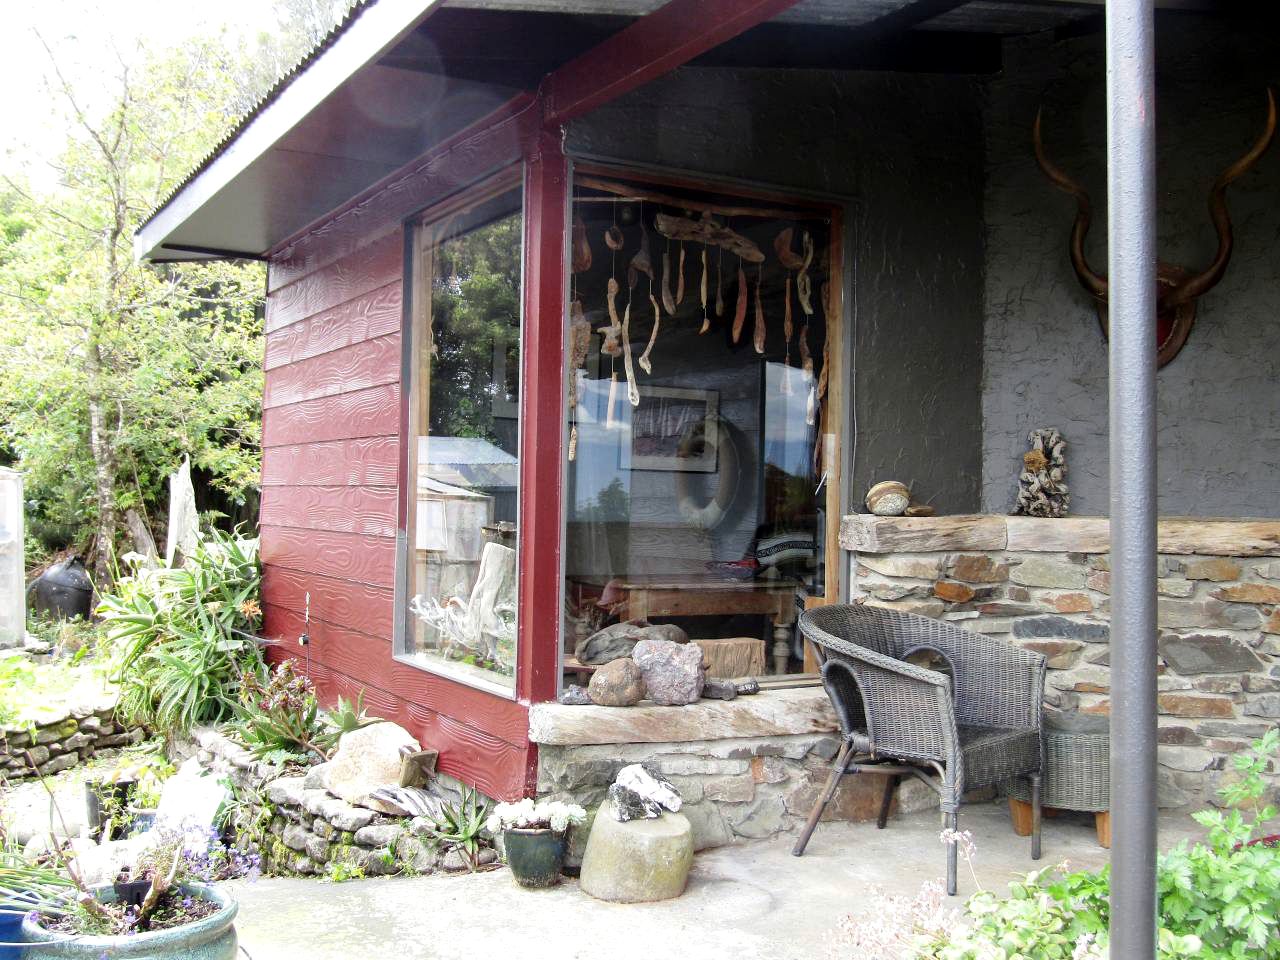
{"x": 542, "y": 434}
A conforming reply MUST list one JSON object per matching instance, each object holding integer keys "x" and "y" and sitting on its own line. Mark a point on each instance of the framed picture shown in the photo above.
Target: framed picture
{"x": 673, "y": 429}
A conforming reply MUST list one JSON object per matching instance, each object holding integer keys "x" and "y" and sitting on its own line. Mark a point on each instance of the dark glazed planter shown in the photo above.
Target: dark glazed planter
{"x": 535, "y": 857}
{"x": 213, "y": 938}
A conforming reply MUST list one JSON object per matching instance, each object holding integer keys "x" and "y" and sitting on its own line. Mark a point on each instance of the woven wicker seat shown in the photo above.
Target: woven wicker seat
{"x": 978, "y": 727}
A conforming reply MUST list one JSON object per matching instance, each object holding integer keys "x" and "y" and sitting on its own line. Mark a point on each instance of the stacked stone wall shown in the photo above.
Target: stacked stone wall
{"x": 61, "y": 742}
{"x": 732, "y": 789}
{"x": 1219, "y": 645}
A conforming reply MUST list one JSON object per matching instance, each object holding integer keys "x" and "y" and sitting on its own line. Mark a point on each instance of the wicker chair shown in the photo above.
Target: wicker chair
{"x": 979, "y": 727}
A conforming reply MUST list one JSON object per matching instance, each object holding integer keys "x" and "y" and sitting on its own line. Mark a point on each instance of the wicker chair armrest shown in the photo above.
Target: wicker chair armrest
{"x": 903, "y": 713}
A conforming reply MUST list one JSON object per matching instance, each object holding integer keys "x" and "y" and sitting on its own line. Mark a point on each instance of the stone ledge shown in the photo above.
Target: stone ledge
{"x": 865, "y": 533}
{"x": 770, "y": 713}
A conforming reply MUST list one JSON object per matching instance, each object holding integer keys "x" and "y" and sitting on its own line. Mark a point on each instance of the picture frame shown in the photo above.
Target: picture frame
{"x": 674, "y": 430}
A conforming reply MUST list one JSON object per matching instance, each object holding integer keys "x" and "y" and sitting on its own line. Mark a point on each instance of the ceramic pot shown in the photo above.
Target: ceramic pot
{"x": 535, "y": 856}
{"x": 212, "y": 938}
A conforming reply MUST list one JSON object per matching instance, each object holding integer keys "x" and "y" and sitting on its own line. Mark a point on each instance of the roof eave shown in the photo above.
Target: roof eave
{"x": 378, "y": 28}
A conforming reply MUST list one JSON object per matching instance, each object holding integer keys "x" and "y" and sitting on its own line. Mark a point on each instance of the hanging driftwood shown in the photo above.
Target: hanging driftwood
{"x": 667, "y": 300}
{"x": 740, "y": 310}
{"x": 581, "y": 248}
{"x": 720, "y": 284}
{"x": 613, "y": 238}
{"x": 806, "y": 358}
{"x": 786, "y": 256}
{"x": 710, "y": 232}
{"x": 641, "y": 262}
{"x": 610, "y": 418}
{"x": 1042, "y": 487}
{"x": 645, "y": 364}
{"x": 706, "y": 324}
{"x": 757, "y": 336}
{"x": 612, "y": 333}
{"x": 633, "y": 391}
{"x": 804, "y": 286}
{"x": 579, "y": 344}
{"x": 680, "y": 277}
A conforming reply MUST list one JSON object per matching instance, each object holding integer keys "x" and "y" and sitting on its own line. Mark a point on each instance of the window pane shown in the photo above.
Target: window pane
{"x": 695, "y": 495}
{"x": 464, "y": 415}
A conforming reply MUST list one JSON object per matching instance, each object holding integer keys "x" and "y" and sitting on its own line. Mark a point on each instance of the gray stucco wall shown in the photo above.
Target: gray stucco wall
{"x": 1045, "y": 357}
{"x": 909, "y": 149}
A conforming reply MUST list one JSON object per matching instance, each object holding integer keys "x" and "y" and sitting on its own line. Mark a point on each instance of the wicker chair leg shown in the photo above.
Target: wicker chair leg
{"x": 1034, "y": 779}
{"x": 952, "y": 852}
{"x": 838, "y": 766}
{"x": 890, "y": 788}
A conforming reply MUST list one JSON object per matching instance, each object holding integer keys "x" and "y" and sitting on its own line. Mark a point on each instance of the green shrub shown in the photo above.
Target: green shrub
{"x": 181, "y": 638}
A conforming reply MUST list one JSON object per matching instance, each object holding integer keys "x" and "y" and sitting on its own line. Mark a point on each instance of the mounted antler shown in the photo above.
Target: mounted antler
{"x": 1178, "y": 289}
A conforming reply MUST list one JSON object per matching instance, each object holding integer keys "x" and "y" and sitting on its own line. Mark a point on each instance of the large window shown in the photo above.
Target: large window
{"x": 700, "y": 331}
{"x": 464, "y": 432}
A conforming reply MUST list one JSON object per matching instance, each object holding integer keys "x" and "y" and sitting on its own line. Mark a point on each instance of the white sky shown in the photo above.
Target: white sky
{"x": 86, "y": 34}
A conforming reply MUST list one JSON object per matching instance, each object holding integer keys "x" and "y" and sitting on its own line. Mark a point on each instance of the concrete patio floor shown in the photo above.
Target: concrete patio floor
{"x": 749, "y": 900}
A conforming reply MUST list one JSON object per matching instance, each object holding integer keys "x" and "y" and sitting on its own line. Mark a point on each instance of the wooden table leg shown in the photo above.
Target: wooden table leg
{"x": 1102, "y": 824}
{"x": 1021, "y": 812}
{"x": 781, "y": 647}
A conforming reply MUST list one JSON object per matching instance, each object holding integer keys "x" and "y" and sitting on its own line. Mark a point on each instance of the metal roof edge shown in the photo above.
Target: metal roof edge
{"x": 368, "y": 30}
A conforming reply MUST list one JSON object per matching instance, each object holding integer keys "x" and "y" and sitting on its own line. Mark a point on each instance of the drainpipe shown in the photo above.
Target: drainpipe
{"x": 1132, "y": 345}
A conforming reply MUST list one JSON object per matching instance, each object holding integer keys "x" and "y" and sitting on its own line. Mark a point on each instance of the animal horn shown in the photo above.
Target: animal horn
{"x": 1202, "y": 283}
{"x": 1095, "y": 284}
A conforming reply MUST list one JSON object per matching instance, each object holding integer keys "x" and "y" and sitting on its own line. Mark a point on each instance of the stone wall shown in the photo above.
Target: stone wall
{"x": 1045, "y": 585}
{"x": 748, "y": 769}
{"x": 299, "y": 828}
{"x": 58, "y": 743}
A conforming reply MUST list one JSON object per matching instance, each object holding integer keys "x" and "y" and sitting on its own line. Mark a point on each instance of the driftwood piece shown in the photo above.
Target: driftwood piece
{"x": 782, "y": 247}
{"x": 613, "y": 332}
{"x": 645, "y": 363}
{"x": 720, "y": 285}
{"x": 804, "y": 285}
{"x": 667, "y": 300}
{"x": 613, "y": 238}
{"x": 633, "y": 391}
{"x": 757, "y": 336}
{"x": 706, "y": 323}
{"x": 581, "y": 247}
{"x": 732, "y": 657}
{"x": 710, "y": 232}
{"x": 740, "y": 310}
{"x": 826, "y": 342}
{"x": 680, "y": 278}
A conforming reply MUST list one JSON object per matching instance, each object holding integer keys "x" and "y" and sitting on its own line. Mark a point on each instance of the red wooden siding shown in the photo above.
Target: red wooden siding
{"x": 331, "y": 506}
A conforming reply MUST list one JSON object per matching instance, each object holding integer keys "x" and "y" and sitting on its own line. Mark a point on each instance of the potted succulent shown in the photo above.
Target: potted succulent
{"x": 533, "y": 837}
{"x": 158, "y": 908}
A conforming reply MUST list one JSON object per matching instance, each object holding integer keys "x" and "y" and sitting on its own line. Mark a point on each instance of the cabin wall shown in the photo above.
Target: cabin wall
{"x": 330, "y": 505}
{"x": 908, "y": 151}
{"x": 1045, "y": 357}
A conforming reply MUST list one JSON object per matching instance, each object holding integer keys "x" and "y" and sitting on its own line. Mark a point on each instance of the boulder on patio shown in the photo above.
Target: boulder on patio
{"x": 366, "y": 760}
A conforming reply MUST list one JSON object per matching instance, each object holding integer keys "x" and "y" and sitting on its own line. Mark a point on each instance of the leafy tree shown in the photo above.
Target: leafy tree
{"x": 111, "y": 369}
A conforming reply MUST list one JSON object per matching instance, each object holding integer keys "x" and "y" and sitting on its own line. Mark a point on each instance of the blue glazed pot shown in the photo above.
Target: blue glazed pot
{"x": 10, "y": 932}
{"x": 213, "y": 938}
{"x": 535, "y": 857}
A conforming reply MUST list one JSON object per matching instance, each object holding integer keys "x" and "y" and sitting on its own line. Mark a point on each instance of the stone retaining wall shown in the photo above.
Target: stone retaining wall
{"x": 750, "y": 768}
{"x": 59, "y": 743}
{"x": 1045, "y": 585}
{"x": 298, "y": 827}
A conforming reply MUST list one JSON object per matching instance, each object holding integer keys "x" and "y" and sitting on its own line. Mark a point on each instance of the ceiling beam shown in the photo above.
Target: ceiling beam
{"x": 650, "y": 47}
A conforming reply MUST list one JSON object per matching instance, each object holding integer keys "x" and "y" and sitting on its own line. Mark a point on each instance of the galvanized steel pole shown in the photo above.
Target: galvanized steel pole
{"x": 1132, "y": 271}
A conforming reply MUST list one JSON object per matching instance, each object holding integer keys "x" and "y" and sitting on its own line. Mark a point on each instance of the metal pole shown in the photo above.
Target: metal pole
{"x": 1132, "y": 272}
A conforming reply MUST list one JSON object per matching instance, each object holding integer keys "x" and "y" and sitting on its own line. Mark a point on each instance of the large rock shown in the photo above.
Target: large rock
{"x": 367, "y": 759}
{"x": 617, "y": 641}
{"x": 672, "y": 671}
{"x": 638, "y": 861}
{"x": 618, "y": 683}
{"x": 611, "y": 643}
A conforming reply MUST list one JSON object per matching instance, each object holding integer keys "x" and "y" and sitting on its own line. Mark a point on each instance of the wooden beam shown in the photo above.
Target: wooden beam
{"x": 654, "y": 45}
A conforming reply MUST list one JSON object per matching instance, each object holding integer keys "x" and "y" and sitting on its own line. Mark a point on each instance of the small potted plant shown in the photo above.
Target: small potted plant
{"x": 533, "y": 836}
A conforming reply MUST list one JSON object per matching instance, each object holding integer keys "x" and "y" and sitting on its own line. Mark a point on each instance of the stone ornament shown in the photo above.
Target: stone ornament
{"x": 888, "y": 499}
{"x": 1042, "y": 487}
{"x": 618, "y": 640}
{"x": 619, "y": 683}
